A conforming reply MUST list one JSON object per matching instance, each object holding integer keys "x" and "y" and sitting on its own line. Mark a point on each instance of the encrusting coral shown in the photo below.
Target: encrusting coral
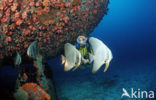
{"x": 31, "y": 91}
{"x": 39, "y": 87}
{"x": 50, "y": 22}
{"x": 39, "y": 29}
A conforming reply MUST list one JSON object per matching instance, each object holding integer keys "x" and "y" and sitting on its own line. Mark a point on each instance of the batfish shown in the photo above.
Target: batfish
{"x": 72, "y": 57}
{"x": 102, "y": 54}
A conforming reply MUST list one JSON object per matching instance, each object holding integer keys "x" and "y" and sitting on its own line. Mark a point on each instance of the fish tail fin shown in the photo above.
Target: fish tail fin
{"x": 76, "y": 67}
{"x": 107, "y": 65}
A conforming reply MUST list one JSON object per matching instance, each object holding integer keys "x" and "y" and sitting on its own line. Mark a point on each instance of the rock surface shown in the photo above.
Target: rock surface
{"x": 49, "y": 22}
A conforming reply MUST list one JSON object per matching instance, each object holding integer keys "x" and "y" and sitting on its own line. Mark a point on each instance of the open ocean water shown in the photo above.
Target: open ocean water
{"x": 129, "y": 30}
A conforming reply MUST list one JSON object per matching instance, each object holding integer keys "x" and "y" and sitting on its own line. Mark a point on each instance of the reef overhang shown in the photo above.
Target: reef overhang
{"x": 51, "y": 23}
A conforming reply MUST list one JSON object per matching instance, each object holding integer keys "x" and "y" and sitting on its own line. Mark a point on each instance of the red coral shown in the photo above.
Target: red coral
{"x": 19, "y": 22}
{"x": 35, "y": 91}
{"x": 50, "y": 22}
{"x": 66, "y": 19}
{"x": 8, "y": 39}
{"x": 24, "y": 15}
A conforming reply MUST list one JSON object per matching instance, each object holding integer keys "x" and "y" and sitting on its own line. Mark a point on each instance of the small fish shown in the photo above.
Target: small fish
{"x": 102, "y": 54}
{"x": 72, "y": 57}
{"x": 18, "y": 59}
{"x": 32, "y": 50}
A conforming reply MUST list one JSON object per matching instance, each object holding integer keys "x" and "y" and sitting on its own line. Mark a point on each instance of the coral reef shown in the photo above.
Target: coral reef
{"x": 31, "y": 91}
{"x": 37, "y": 30}
{"x": 20, "y": 94}
{"x": 49, "y": 22}
{"x": 34, "y": 82}
{"x": 35, "y": 92}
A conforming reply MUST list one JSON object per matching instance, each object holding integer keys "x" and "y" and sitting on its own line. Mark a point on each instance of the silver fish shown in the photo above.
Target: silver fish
{"x": 32, "y": 50}
{"x": 18, "y": 59}
{"x": 102, "y": 54}
{"x": 72, "y": 57}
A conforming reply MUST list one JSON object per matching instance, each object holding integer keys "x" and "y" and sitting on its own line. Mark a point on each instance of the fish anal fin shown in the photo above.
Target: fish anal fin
{"x": 107, "y": 65}
{"x": 77, "y": 65}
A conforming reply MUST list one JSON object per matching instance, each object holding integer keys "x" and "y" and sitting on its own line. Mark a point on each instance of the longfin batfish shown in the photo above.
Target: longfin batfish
{"x": 18, "y": 59}
{"x": 72, "y": 57}
{"x": 32, "y": 50}
{"x": 102, "y": 54}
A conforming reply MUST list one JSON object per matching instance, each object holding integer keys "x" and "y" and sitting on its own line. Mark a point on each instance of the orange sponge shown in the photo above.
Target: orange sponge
{"x": 35, "y": 91}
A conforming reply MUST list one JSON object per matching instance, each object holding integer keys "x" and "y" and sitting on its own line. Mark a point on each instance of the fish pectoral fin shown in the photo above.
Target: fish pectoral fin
{"x": 63, "y": 59}
{"x": 107, "y": 65}
{"x": 77, "y": 65}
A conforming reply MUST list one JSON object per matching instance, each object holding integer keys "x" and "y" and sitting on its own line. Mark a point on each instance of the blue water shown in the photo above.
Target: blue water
{"x": 129, "y": 30}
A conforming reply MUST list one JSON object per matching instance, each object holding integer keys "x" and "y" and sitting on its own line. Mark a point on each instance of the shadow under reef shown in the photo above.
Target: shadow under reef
{"x": 9, "y": 84}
